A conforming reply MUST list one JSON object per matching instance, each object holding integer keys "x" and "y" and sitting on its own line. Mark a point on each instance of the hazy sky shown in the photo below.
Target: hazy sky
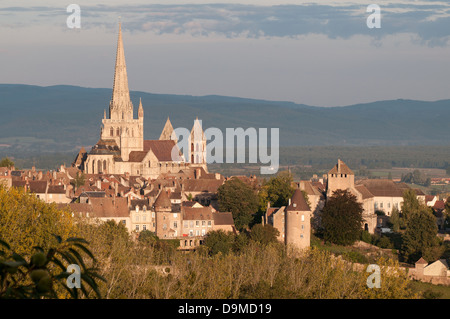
{"x": 318, "y": 53}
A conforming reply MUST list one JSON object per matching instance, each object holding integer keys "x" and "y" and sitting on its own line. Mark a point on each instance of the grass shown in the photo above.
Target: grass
{"x": 430, "y": 291}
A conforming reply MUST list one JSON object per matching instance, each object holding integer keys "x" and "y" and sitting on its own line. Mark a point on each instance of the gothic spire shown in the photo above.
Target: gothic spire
{"x": 121, "y": 94}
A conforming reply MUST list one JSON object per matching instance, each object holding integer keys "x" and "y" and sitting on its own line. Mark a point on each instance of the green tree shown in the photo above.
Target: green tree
{"x": 219, "y": 241}
{"x": 147, "y": 237}
{"x": 342, "y": 218}
{"x": 6, "y": 162}
{"x": 394, "y": 219}
{"x": 410, "y": 204}
{"x": 240, "y": 199}
{"x": 26, "y": 221}
{"x": 279, "y": 189}
{"x": 264, "y": 234}
{"x": 78, "y": 181}
{"x": 420, "y": 238}
{"x": 45, "y": 274}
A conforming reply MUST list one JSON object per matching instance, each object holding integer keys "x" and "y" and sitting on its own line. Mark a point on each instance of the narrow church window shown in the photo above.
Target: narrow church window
{"x": 118, "y": 132}
{"x": 111, "y": 132}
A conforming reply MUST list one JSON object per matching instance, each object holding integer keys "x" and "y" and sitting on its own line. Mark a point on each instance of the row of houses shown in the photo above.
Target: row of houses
{"x": 179, "y": 205}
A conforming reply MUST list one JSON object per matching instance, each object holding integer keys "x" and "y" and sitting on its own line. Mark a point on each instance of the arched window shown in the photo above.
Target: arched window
{"x": 93, "y": 167}
{"x": 111, "y": 132}
{"x": 117, "y": 132}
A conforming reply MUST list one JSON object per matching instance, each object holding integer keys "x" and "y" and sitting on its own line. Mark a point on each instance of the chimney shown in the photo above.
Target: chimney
{"x": 339, "y": 166}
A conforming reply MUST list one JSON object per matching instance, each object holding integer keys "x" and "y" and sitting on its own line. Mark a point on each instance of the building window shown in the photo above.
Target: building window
{"x": 137, "y": 227}
{"x": 203, "y": 232}
{"x": 164, "y": 226}
{"x": 381, "y": 205}
{"x": 303, "y": 218}
{"x": 209, "y": 223}
{"x": 175, "y": 215}
{"x": 197, "y": 223}
{"x": 191, "y": 223}
{"x": 144, "y": 227}
{"x": 203, "y": 223}
{"x": 186, "y": 225}
{"x": 175, "y": 224}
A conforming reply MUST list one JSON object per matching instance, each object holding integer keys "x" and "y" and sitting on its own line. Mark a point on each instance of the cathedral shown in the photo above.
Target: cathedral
{"x": 122, "y": 149}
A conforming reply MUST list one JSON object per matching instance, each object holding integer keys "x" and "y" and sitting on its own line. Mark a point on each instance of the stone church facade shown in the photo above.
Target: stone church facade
{"x": 122, "y": 149}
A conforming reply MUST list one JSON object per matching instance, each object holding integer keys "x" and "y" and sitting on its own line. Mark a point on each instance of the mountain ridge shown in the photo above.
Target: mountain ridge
{"x": 71, "y": 116}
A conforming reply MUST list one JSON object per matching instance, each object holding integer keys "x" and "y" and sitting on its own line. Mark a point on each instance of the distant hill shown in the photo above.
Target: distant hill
{"x": 63, "y": 118}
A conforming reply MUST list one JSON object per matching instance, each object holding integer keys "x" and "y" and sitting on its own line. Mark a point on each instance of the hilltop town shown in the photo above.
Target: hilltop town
{"x": 146, "y": 186}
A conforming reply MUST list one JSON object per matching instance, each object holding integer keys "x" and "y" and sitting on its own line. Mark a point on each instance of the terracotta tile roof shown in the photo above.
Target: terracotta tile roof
{"x": 194, "y": 213}
{"x": 139, "y": 203}
{"x": 38, "y": 187}
{"x": 223, "y": 218}
{"x": 56, "y": 189}
{"x": 109, "y": 207}
{"x": 137, "y": 156}
{"x": 188, "y": 203}
{"x": 162, "y": 201}
{"x": 202, "y": 185}
{"x": 364, "y": 191}
{"x": 341, "y": 168}
{"x": 271, "y": 210}
{"x": 298, "y": 202}
{"x": 162, "y": 149}
{"x": 382, "y": 187}
{"x": 421, "y": 261}
{"x": 440, "y": 204}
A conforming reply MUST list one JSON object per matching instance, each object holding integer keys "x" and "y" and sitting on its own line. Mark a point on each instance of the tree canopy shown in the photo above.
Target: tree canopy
{"x": 419, "y": 239}
{"x": 240, "y": 199}
{"x": 342, "y": 218}
{"x": 6, "y": 162}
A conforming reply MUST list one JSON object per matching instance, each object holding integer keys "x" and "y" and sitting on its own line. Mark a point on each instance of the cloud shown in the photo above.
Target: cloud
{"x": 429, "y": 20}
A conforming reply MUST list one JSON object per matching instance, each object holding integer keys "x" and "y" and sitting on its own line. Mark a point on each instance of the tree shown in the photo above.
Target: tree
{"x": 279, "y": 189}
{"x": 342, "y": 218}
{"x": 240, "y": 199}
{"x": 410, "y": 204}
{"x": 420, "y": 238}
{"x": 264, "y": 234}
{"x": 219, "y": 241}
{"x": 45, "y": 274}
{"x": 78, "y": 181}
{"x": 395, "y": 219}
{"x": 26, "y": 221}
{"x": 147, "y": 237}
{"x": 6, "y": 162}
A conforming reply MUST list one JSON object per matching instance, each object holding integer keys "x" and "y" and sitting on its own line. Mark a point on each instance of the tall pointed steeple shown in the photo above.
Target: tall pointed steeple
{"x": 140, "y": 110}
{"x": 120, "y": 107}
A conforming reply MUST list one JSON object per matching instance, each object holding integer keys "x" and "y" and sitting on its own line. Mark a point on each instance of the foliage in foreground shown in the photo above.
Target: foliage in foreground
{"x": 45, "y": 274}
